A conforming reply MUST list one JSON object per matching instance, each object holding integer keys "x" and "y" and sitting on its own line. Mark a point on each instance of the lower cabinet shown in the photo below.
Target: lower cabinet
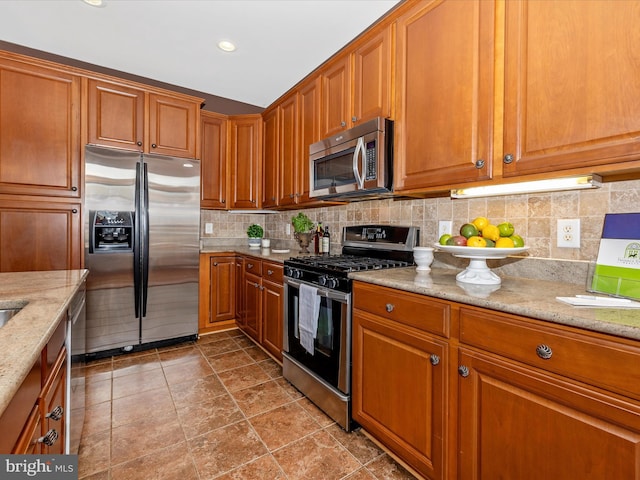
{"x": 463, "y": 392}
{"x": 217, "y": 307}
{"x": 263, "y": 303}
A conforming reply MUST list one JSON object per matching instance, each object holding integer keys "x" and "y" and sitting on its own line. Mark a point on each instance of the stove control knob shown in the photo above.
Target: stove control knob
{"x": 322, "y": 280}
{"x": 332, "y": 282}
{"x": 292, "y": 272}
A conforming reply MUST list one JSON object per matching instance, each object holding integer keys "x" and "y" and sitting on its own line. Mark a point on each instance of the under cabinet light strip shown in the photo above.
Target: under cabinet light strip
{"x": 582, "y": 182}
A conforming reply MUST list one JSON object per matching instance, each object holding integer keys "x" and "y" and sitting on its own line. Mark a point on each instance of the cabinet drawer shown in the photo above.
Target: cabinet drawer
{"x": 408, "y": 308}
{"x": 272, "y": 272}
{"x": 251, "y": 265}
{"x": 587, "y": 357}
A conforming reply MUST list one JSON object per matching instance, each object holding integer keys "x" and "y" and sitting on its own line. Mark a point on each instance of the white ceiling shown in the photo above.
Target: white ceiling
{"x": 278, "y": 42}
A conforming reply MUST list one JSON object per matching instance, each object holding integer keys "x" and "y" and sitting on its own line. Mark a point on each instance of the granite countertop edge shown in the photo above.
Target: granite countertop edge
{"x": 44, "y": 298}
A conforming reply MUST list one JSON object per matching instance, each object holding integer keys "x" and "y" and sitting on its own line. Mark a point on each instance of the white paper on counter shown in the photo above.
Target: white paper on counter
{"x": 602, "y": 302}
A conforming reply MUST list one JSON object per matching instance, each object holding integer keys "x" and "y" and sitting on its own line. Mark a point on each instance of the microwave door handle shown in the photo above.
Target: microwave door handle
{"x": 356, "y": 154}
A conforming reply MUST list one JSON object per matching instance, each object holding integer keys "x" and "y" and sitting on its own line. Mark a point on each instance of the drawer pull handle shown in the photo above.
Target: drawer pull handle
{"x": 544, "y": 351}
{"x": 249, "y": 265}
{"x": 434, "y": 359}
{"x": 56, "y": 413}
{"x": 389, "y": 307}
{"x": 50, "y": 438}
{"x": 463, "y": 370}
{"x": 269, "y": 272}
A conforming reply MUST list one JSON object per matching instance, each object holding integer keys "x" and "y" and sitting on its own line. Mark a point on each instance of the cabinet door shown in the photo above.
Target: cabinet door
{"x": 214, "y": 180}
{"x": 518, "y": 422}
{"x": 115, "y": 115}
{"x": 245, "y": 161}
{"x": 39, "y": 131}
{"x": 252, "y": 305}
{"x": 272, "y": 318}
{"x": 309, "y": 131}
{"x": 289, "y": 186}
{"x": 372, "y": 78}
{"x": 445, "y": 63}
{"x": 271, "y": 157}
{"x": 336, "y": 96}
{"x": 39, "y": 236}
{"x": 54, "y": 406}
{"x": 399, "y": 395}
{"x": 240, "y": 305}
{"x": 28, "y": 443}
{"x": 569, "y": 101}
{"x": 223, "y": 289}
{"x": 173, "y": 126}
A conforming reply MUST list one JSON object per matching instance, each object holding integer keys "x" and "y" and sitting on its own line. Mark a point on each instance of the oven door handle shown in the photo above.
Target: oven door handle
{"x": 322, "y": 292}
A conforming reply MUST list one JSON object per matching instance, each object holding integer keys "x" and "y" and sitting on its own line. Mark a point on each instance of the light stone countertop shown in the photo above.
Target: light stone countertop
{"x": 44, "y": 298}
{"x": 527, "y": 297}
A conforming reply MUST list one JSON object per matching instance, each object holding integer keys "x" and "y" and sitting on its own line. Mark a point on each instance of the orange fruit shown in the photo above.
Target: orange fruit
{"x": 504, "y": 242}
{"x": 476, "y": 241}
{"x": 491, "y": 232}
{"x": 480, "y": 222}
{"x": 506, "y": 229}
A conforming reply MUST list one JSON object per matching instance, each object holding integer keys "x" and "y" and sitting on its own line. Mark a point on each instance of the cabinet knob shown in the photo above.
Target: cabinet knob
{"x": 479, "y": 164}
{"x": 256, "y": 285}
{"x": 139, "y": 143}
{"x": 74, "y": 189}
{"x": 223, "y": 200}
{"x": 249, "y": 265}
{"x": 75, "y": 210}
{"x": 544, "y": 351}
{"x": 508, "y": 158}
{"x": 153, "y": 145}
{"x": 389, "y": 307}
{"x": 343, "y": 124}
{"x": 434, "y": 359}
{"x": 49, "y": 438}
{"x": 56, "y": 413}
{"x": 291, "y": 195}
{"x": 215, "y": 264}
{"x": 269, "y": 272}
{"x": 354, "y": 119}
{"x": 463, "y": 370}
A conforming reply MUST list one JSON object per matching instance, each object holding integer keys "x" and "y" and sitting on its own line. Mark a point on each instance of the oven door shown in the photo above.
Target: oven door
{"x": 331, "y": 359}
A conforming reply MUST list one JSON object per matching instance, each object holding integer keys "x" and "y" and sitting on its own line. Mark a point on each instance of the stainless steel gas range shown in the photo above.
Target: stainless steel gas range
{"x": 317, "y": 318}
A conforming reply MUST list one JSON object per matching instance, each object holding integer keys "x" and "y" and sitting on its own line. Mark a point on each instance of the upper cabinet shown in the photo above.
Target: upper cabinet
{"x": 213, "y": 156}
{"x": 571, "y": 92}
{"x": 39, "y": 129}
{"x": 356, "y": 85}
{"x": 308, "y": 132}
{"x": 270, "y": 156}
{"x": 445, "y": 87}
{"x": 245, "y": 161}
{"x": 123, "y": 116}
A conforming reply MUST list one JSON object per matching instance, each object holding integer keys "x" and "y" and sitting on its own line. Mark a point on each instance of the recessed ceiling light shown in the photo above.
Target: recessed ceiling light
{"x": 95, "y": 3}
{"x": 226, "y": 46}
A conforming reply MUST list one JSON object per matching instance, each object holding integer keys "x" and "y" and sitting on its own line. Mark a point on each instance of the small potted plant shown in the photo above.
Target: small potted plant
{"x": 303, "y": 230}
{"x": 255, "y": 233}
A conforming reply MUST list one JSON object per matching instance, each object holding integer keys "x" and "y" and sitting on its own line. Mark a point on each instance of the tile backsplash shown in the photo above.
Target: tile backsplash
{"x": 533, "y": 215}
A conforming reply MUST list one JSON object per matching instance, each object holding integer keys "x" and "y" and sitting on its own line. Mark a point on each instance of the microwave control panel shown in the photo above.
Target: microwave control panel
{"x": 371, "y": 171}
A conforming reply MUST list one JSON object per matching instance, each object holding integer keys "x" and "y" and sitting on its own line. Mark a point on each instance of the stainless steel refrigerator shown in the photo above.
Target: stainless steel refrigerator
{"x": 142, "y": 235}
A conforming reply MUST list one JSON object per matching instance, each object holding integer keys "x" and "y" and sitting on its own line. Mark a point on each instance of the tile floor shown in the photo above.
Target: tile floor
{"x": 217, "y": 408}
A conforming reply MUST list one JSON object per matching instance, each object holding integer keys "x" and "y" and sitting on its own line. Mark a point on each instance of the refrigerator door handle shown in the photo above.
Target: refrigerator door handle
{"x": 137, "y": 242}
{"x": 145, "y": 239}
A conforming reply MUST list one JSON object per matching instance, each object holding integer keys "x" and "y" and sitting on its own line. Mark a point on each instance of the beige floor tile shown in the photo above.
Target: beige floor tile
{"x": 191, "y": 369}
{"x": 178, "y": 355}
{"x": 230, "y": 360}
{"x": 316, "y": 456}
{"x": 94, "y": 454}
{"x": 357, "y": 443}
{"x": 225, "y": 449}
{"x": 97, "y": 392}
{"x": 97, "y": 418}
{"x": 133, "y": 408}
{"x": 264, "y": 468}
{"x": 318, "y": 415}
{"x": 221, "y": 346}
{"x": 243, "y": 377}
{"x": 273, "y": 368}
{"x": 193, "y": 392}
{"x": 384, "y": 467}
{"x": 210, "y": 414}
{"x": 138, "y": 381}
{"x": 283, "y": 425}
{"x": 257, "y": 353}
{"x": 260, "y": 398}
{"x": 172, "y": 463}
{"x": 143, "y": 362}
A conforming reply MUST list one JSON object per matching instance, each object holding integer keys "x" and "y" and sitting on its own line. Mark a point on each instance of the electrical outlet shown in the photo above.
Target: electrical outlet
{"x": 287, "y": 228}
{"x": 445, "y": 226}
{"x": 208, "y": 228}
{"x": 569, "y": 233}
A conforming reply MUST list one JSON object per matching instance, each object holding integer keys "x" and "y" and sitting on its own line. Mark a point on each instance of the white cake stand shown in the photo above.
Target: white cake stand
{"x": 478, "y": 273}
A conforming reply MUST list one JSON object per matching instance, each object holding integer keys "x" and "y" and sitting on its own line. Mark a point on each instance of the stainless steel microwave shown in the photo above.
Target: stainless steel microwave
{"x": 356, "y": 164}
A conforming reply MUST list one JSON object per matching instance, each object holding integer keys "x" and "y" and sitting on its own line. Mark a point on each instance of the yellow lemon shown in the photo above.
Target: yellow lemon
{"x": 504, "y": 242}
{"x": 480, "y": 222}
{"x": 491, "y": 232}
{"x": 476, "y": 241}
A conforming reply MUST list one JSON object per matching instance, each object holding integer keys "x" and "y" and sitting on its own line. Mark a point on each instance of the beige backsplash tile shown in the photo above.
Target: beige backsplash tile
{"x": 533, "y": 215}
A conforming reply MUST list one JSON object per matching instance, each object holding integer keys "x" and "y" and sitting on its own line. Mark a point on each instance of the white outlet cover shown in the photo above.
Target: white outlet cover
{"x": 208, "y": 227}
{"x": 445, "y": 226}
{"x": 568, "y": 235}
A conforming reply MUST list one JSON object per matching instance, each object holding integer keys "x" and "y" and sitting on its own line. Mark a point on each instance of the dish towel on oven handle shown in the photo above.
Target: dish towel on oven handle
{"x": 309, "y": 309}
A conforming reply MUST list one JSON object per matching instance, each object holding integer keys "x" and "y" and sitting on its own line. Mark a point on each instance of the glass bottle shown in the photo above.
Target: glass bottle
{"x": 326, "y": 241}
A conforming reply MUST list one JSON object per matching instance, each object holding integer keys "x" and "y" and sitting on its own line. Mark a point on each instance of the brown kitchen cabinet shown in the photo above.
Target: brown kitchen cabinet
{"x": 271, "y": 162}
{"x": 39, "y": 128}
{"x": 539, "y": 401}
{"x": 245, "y": 161}
{"x": 39, "y": 235}
{"x": 308, "y": 132}
{"x": 214, "y": 160}
{"x": 263, "y": 303}
{"x": 568, "y": 101}
{"x": 400, "y": 374}
{"x": 217, "y": 303}
{"x": 445, "y": 91}
{"x": 128, "y": 116}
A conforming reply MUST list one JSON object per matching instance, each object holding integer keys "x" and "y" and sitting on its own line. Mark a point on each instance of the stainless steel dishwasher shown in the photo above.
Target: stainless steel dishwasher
{"x": 75, "y": 344}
